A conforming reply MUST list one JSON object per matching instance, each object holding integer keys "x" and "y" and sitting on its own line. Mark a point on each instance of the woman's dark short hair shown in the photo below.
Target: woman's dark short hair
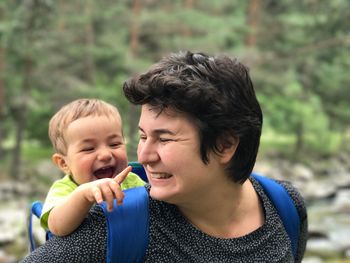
{"x": 216, "y": 92}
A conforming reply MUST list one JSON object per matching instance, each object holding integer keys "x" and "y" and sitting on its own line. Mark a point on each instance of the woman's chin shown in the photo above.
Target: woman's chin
{"x": 161, "y": 194}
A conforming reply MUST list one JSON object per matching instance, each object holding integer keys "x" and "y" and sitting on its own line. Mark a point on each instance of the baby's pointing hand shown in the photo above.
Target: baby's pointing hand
{"x": 110, "y": 189}
{"x": 122, "y": 175}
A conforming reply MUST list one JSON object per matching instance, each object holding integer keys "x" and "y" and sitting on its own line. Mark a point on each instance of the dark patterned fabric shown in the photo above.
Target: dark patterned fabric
{"x": 174, "y": 239}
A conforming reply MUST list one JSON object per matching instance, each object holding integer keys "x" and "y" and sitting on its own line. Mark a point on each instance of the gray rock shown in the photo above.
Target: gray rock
{"x": 312, "y": 260}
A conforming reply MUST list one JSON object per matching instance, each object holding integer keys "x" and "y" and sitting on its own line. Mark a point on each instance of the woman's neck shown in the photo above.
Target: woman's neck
{"x": 233, "y": 211}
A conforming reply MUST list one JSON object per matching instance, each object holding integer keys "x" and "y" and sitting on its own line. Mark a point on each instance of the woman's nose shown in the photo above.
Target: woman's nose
{"x": 147, "y": 152}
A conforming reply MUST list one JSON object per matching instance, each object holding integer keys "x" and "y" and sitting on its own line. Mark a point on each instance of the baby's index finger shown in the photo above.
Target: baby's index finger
{"x": 122, "y": 175}
{"x": 97, "y": 195}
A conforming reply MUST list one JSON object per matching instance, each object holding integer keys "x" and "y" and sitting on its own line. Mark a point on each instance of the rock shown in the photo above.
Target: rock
{"x": 314, "y": 190}
{"x": 10, "y": 189}
{"x": 5, "y": 258}
{"x": 10, "y": 225}
{"x": 341, "y": 202}
{"x": 340, "y": 238}
{"x": 312, "y": 260}
{"x": 302, "y": 173}
{"x": 322, "y": 247}
{"x": 46, "y": 169}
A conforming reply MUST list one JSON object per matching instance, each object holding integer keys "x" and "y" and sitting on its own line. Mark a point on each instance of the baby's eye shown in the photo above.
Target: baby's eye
{"x": 115, "y": 144}
{"x": 87, "y": 149}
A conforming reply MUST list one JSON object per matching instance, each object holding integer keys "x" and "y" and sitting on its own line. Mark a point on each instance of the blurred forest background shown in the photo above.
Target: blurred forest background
{"x": 52, "y": 52}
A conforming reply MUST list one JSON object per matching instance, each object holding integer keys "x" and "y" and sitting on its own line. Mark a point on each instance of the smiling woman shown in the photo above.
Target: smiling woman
{"x": 200, "y": 128}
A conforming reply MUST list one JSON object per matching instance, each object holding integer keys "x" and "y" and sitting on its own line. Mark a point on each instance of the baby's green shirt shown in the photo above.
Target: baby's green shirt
{"x": 63, "y": 187}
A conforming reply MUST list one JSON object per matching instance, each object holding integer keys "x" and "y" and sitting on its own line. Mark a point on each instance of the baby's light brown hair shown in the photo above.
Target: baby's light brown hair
{"x": 74, "y": 110}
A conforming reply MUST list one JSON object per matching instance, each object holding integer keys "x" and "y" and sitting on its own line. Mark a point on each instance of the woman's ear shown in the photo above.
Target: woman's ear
{"x": 60, "y": 162}
{"x": 227, "y": 148}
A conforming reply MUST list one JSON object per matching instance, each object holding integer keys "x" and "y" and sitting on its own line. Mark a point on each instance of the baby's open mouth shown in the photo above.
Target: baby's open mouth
{"x": 104, "y": 172}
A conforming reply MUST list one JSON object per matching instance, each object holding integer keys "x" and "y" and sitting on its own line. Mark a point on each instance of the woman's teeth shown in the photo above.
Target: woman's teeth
{"x": 160, "y": 175}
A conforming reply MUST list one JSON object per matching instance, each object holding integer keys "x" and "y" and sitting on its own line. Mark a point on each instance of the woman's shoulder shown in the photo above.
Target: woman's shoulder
{"x": 293, "y": 192}
{"x": 296, "y": 196}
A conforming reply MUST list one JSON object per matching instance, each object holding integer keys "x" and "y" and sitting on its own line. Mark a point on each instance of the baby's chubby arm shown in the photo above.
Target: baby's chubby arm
{"x": 68, "y": 215}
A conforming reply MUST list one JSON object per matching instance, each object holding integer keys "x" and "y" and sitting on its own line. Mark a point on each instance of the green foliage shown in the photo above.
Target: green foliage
{"x": 34, "y": 152}
{"x": 38, "y": 122}
{"x": 57, "y": 51}
{"x": 293, "y": 112}
{"x": 110, "y": 91}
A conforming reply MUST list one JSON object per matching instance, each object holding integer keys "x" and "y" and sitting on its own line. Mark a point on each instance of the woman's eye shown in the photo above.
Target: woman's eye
{"x": 165, "y": 139}
{"x": 143, "y": 137}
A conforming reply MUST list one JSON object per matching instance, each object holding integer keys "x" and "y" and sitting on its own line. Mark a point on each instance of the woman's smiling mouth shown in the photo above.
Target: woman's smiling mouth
{"x": 160, "y": 175}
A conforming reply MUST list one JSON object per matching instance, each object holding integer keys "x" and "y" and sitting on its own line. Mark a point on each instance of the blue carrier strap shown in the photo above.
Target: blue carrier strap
{"x": 36, "y": 208}
{"x": 128, "y": 227}
{"x": 284, "y": 206}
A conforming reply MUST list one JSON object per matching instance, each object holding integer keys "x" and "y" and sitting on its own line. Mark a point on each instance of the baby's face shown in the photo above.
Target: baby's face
{"x": 96, "y": 148}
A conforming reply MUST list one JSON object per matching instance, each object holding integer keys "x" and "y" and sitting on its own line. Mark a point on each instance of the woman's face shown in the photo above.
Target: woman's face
{"x": 170, "y": 152}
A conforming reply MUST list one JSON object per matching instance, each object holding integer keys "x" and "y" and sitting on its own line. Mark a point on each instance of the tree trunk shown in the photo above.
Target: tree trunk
{"x": 186, "y": 32}
{"x": 300, "y": 129}
{"x": 16, "y": 155}
{"x": 21, "y": 114}
{"x": 2, "y": 95}
{"x": 134, "y": 49}
{"x": 89, "y": 42}
{"x": 252, "y": 21}
{"x": 135, "y": 27}
{"x": 299, "y": 143}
